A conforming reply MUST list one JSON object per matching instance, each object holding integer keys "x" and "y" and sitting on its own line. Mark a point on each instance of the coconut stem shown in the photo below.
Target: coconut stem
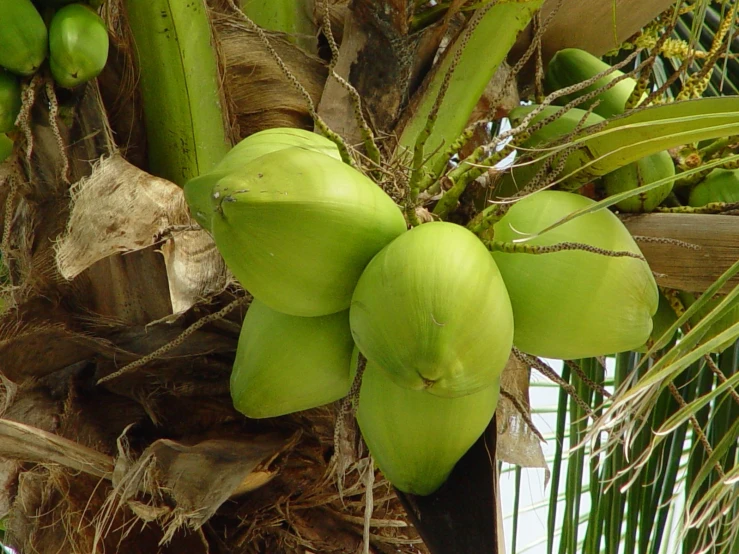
{"x": 667, "y": 240}
{"x": 544, "y": 368}
{"x": 429, "y": 178}
{"x": 518, "y": 248}
{"x": 711, "y": 208}
{"x": 462, "y": 175}
{"x": 486, "y": 218}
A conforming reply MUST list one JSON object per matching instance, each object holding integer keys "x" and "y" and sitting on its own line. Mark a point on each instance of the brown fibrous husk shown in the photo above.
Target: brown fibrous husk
{"x": 261, "y": 96}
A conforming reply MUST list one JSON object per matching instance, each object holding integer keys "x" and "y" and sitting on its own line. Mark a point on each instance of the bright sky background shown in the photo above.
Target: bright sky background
{"x": 534, "y": 501}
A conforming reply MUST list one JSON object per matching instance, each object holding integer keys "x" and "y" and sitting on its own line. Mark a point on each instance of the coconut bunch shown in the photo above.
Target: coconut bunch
{"x": 334, "y": 273}
{"x": 325, "y": 253}
{"x": 76, "y": 44}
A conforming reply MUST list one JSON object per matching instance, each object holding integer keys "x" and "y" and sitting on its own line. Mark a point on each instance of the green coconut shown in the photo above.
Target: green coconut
{"x": 721, "y": 185}
{"x": 78, "y": 45}
{"x": 10, "y": 100}
{"x": 285, "y": 363}
{"x": 643, "y": 172}
{"x": 432, "y": 310}
{"x": 416, "y": 438}
{"x": 574, "y": 304}
{"x": 199, "y": 189}
{"x": 662, "y": 320}
{"x": 297, "y": 228}
{"x": 731, "y": 317}
{"x": 23, "y": 37}
{"x": 520, "y": 176}
{"x": 271, "y": 140}
{"x": 572, "y": 66}
{"x": 6, "y": 147}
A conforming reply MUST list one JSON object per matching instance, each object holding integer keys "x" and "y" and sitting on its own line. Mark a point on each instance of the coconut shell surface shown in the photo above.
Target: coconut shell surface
{"x": 285, "y": 363}
{"x": 416, "y": 438}
{"x": 297, "y": 228}
{"x": 574, "y": 304}
{"x": 432, "y": 310}
{"x": 198, "y": 191}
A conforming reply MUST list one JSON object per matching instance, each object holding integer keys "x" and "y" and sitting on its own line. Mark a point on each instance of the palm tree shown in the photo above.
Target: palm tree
{"x": 119, "y": 321}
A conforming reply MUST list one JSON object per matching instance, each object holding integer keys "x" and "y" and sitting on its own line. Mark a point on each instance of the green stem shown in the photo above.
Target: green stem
{"x": 462, "y": 176}
{"x": 180, "y": 87}
{"x": 519, "y": 248}
{"x": 464, "y": 72}
{"x": 486, "y": 218}
{"x": 456, "y": 146}
{"x": 716, "y": 147}
{"x": 711, "y": 208}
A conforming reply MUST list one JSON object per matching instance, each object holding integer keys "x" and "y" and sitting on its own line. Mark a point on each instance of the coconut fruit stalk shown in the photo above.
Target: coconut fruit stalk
{"x": 431, "y": 309}
{"x": 574, "y": 304}
{"x": 297, "y": 228}
{"x": 285, "y": 363}
{"x": 416, "y": 438}
{"x": 180, "y": 87}
{"x": 198, "y": 190}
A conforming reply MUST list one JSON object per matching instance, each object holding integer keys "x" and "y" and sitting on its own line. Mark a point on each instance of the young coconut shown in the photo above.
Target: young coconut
{"x": 285, "y": 363}
{"x": 721, "y": 185}
{"x": 23, "y": 37}
{"x": 417, "y": 438}
{"x": 297, "y": 228}
{"x": 78, "y": 45}
{"x": 271, "y": 140}
{"x": 662, "y": 320}
{"x": 643, "y": 172}
{"x": 574, "y": 304}
{"x": 520, "y": 176}
{"x": 432, "y": 310}
{"x": 199, "y": 189}
{"x": 572, "y": 66}
{"x": 10, "y": 100}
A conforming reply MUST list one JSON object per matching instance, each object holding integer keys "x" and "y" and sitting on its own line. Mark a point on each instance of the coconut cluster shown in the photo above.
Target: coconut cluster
{"x": 335, "y": 272}
{"x": 76, "y": 43}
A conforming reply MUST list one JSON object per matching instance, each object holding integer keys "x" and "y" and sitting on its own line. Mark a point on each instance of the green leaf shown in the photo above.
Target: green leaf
{"x": 634, "y": 135}
{"x": 478, "y": 58}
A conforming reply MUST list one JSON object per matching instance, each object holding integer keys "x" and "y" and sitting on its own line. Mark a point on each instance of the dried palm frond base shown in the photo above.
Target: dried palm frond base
{"x": 241, "y": 492}
{"x": 159, "y": 461}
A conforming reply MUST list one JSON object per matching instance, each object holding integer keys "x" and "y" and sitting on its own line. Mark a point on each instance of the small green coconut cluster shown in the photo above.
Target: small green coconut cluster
{"x": 73, "y": 37}
{"x": 334, "y": 273}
